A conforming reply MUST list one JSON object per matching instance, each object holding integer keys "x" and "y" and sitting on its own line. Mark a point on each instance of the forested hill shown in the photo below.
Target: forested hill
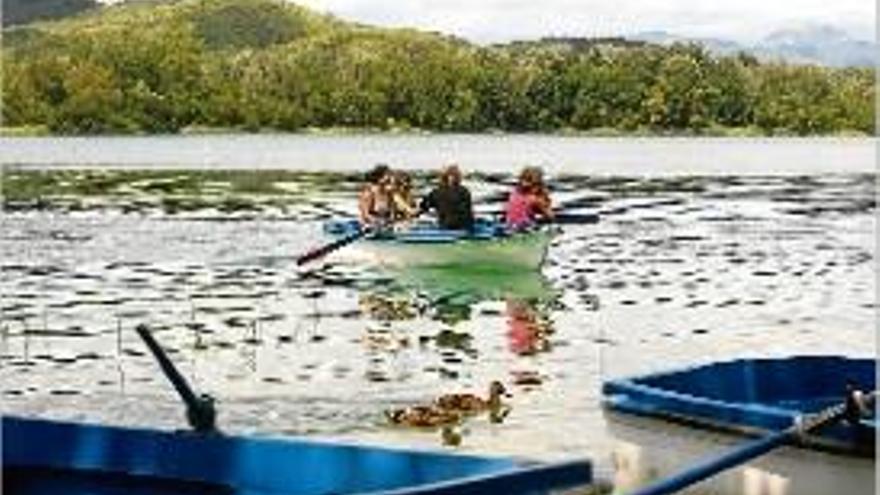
{"x": 152, "y": 66}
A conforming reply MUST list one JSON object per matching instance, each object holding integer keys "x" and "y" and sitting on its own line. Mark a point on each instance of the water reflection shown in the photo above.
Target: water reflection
{"x": 528, "y": 327}
{"x": 453, "y": 297}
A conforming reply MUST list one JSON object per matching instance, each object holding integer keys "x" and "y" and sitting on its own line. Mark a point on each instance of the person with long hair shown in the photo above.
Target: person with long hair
{"x": 374, "y": 202}
{"x": 529, "y": 202}
{"x": 403, "y": 203}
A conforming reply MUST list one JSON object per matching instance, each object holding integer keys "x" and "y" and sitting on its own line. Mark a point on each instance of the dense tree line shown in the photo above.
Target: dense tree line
{"x": 261, "y": 64}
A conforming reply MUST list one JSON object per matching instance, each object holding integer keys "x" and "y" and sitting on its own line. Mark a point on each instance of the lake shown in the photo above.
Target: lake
{"x": 706, "y": 249}
{"x": 607, "y": 156}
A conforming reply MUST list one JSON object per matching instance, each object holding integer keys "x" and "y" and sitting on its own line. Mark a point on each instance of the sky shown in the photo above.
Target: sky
{"x": 488, "y": 21}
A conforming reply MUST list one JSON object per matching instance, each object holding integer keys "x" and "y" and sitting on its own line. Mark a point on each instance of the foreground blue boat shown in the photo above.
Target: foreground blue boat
{"x": 754, "y": 396}
{"x": 48, "y": 457}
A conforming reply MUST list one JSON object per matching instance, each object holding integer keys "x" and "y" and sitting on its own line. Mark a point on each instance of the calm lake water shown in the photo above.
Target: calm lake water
{"x": 770, "y": 252}
{"x": 606, "y": 156}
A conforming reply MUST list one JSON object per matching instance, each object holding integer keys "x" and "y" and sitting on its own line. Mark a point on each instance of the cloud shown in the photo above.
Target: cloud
{"x": 500, "y": 20}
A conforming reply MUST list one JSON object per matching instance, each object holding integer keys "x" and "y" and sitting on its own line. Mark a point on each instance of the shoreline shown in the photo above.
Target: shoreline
{"x": 609, "y": 133}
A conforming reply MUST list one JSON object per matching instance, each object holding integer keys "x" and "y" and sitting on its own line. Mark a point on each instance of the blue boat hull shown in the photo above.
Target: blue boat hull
{"x": 48, "y": 457}
{"x": 754, "y": 396}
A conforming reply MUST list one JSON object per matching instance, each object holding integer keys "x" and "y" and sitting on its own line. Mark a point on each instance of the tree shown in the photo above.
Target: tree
{"x": 679, "y": 97}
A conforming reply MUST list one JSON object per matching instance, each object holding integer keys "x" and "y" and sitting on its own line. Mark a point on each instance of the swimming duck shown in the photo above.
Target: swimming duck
{"x": 422, "y": 416}
{"x": 471, "y": 403}
{"x": 450, "y": 436}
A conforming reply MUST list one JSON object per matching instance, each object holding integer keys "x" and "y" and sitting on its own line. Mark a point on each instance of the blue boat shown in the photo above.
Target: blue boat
{"x": 754, "y": 396}
{"x": 43, "y": 457}
{"x": 669, "y": 425}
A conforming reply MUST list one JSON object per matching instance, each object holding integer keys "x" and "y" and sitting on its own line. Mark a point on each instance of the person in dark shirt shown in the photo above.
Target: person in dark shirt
{"x": 451, "y": 201}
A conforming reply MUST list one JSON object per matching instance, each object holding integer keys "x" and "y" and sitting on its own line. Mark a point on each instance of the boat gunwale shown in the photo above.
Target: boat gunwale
{"x": 260, "y": 438}
{"x": 464, "y": 237}
{"x": 489, "y": 471}
{"x": 809, "y": 441}
{"x": 436, "y": 235}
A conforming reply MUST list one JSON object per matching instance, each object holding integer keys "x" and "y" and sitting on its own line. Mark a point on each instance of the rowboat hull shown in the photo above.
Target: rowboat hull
{"x": 49, "y": 457}
{"x": 665, "y": 422}
{"x": 487, "y": 247}
{"x": 521, "y": 251}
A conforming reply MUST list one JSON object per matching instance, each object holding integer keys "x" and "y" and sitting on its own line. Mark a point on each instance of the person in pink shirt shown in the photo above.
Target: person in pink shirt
{"x": 529, "y": 201}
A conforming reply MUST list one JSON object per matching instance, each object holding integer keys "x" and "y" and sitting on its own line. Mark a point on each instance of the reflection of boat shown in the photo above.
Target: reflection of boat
{"x": 487, "y": 247}
{"x": 666, "y": 421}
{"x": 451, "y": 292}
{"x": 463, "y": 284}
{"x": 42, "y": 456}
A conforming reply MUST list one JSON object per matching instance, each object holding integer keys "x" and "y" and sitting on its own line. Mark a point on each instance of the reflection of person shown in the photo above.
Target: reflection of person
{"x": 529, "y": 201}
{"x": 374, "y": 202}
{"x": 385, "y": 307}
{"x": 526, "y": 333}
{"x": 451, "y": 200}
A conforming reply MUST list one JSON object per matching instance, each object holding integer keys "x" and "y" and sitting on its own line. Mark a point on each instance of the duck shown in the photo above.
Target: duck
{"x": 450, "y": 436}
{"x": 471, "y": 404}
{"x": 423, "y": 416}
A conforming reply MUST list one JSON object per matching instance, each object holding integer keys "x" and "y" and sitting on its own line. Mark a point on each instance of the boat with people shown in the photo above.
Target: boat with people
{"x": 388, "y": 222}
{"x": 664, "y": 422}
{"x": 488, "y": 245}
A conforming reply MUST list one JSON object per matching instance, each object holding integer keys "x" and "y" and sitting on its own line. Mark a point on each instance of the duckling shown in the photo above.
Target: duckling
{"x": 450, "y": 436}
{"x": 422, "y": 417}
{"x": 472, "y": 404}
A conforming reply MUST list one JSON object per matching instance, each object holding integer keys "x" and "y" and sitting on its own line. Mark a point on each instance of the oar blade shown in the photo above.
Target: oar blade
{"x": 575, "y": 218}
{"x": 329, "y": 248}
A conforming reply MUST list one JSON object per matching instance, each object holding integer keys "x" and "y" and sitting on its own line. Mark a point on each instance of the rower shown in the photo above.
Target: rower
{"x": 529, "y": 201}
{"x": 451, "y": 200}
{"x": 374, "y": 202}
{"x": 403, "y": 204}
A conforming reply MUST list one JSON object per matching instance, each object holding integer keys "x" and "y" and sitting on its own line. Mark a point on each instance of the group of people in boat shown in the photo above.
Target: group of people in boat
{"x": 387, "y": 199}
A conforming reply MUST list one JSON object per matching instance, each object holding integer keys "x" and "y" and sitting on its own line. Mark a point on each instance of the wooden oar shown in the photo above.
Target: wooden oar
{"x": 333, "y": 246}
{"x": 561, "y": 215}
{"x": 200, "y": 412}
{"x": 345, "y": 241}
{"x": 562, "y": 218}
{"x": 747, "y": 452}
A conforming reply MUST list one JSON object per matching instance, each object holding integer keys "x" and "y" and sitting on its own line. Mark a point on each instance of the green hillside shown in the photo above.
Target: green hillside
{"x": 151, "y": 66}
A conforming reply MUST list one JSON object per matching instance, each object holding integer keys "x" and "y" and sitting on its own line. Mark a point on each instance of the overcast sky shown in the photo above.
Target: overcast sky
{"x": 500, "y": 20}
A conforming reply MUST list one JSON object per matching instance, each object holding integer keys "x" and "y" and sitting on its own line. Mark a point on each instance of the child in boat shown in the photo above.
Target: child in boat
{"x": 403, "y": 204}
{"x": 374, "y": 202}
{"x": 529, "y": 201}
{"x": 451, "y": 200}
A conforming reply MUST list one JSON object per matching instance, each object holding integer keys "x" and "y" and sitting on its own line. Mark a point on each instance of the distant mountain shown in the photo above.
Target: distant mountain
{"x": 807, "y": 44}
{"x": 16, "y": 12}
{"x": 821, "y": 43}
{"x": 715, "y": 45}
